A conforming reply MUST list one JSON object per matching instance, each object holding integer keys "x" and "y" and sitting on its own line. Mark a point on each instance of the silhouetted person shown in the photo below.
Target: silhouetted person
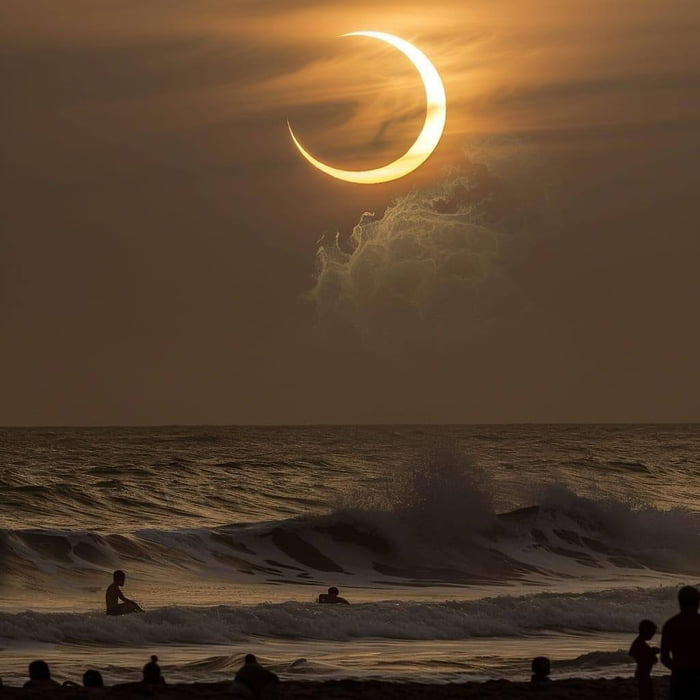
{"x": 646, "y": 657}
{"x": 40, "y": 676}
{"x": 254, "y": 682}
{"x": 151, "y": 673}
{"x": 680, "y": 646}
{"x": 92, "y": 679}
{"x": 541, "y": 668}
{"x": 332, "y": 597}
{"x": 114, "y": 594}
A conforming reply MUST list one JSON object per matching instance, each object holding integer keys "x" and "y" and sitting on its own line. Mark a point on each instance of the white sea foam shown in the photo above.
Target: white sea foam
{"x": 504, "y": 616}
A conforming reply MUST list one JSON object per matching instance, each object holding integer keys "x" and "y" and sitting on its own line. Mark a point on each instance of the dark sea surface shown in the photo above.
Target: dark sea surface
{"x": 465, "y": 550}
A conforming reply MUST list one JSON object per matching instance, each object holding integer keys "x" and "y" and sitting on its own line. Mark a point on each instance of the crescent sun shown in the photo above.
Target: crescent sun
{"x": 429, "y": 137}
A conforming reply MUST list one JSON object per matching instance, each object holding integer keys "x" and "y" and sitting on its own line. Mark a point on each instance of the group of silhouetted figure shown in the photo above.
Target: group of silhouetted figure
{"x": 679, "y": 652}
{"x": 252, "y": 681}
{"x": 40, "y": 677}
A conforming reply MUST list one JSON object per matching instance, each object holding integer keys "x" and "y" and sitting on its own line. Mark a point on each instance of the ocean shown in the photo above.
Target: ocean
{"x": 464, "y": 550}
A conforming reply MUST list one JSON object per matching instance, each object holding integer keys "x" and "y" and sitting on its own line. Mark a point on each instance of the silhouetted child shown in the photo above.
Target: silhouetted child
{"x": 254, "y": 682}
{"x": 541, "y": 668}
{"x": 151, "y": 673}
{"x": 646, "y": 657}
{"x": 332, "y": 597}
{"x": 40, "y": 676}
{"x": 114, "y": 594}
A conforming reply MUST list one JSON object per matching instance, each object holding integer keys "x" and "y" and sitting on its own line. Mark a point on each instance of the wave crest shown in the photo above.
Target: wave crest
{"x": 433, "y": 523}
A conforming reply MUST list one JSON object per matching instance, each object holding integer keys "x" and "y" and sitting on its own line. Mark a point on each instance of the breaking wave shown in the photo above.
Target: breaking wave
{"x": 434, "y": 523}
{"x": 431, "y": 266}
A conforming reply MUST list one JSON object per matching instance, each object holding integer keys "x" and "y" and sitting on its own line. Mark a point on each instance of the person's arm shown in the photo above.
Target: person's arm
{"x": 127, "y": 600}
{"x": 666, "y": 659}
{"x": 649, "y": 656}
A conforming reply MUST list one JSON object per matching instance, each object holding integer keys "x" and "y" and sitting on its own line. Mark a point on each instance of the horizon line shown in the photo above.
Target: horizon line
{"x": 39, "y": 426}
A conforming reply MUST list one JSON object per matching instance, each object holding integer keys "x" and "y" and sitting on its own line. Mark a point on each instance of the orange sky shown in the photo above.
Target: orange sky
{"x": 161, "y": 230}
{"x": 507, "y": 66}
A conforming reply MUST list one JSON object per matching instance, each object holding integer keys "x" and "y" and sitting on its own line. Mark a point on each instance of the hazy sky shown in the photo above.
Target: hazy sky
{"x": 160, "y": 252}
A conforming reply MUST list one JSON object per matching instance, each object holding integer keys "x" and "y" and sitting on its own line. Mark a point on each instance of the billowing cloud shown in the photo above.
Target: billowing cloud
{"x": 432, "y": 268}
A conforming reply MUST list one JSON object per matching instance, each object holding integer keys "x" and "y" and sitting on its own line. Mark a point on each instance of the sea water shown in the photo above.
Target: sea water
{"x": 464, "y": 550}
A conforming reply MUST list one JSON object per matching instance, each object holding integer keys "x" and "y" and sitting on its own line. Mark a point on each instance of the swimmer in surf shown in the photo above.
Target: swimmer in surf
{"x": 114, "y": 594}
{"x": 332, "y": 597}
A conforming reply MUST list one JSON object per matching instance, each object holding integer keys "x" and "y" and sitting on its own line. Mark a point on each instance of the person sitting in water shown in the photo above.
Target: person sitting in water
{"x": 151, "y": 673}
{"x": 254, "y": 682}
{"x": 40, "y": 677}
{"x": 332, "y": 597}
{"x": 114, "y": 595}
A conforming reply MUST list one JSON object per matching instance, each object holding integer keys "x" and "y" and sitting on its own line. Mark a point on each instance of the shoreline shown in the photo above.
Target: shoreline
{"x": 566, "y": 689}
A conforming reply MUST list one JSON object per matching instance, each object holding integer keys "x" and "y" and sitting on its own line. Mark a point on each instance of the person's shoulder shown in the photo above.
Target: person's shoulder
{"x": 671, "y": 623}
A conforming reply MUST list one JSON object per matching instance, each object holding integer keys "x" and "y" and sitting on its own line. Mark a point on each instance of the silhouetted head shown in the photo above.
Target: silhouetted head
{"x": 251, "y": 659}
{"x": 689, "y": 599}
{"x": 39, "y": 671}
{"x": 119, "y": 577}
{"x": 541, "y": 666}
{"x": 92, "y": 679}
{"x": 647, "y": 629}
{"x": 333, "y": 591}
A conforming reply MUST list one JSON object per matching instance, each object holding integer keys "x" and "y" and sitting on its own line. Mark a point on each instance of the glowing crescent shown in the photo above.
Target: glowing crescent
{"x": 428, "y": 138}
